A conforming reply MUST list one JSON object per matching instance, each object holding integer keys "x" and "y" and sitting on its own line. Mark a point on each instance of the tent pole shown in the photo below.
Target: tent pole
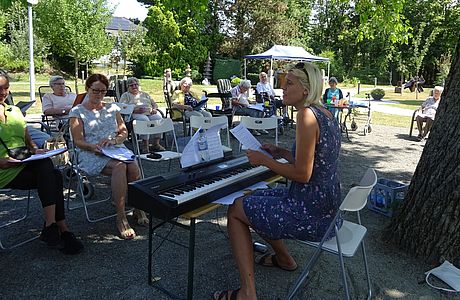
{"x": 271, "y": 79}
{"x": 245, "y": 69}
{"x": 328, "y": 69}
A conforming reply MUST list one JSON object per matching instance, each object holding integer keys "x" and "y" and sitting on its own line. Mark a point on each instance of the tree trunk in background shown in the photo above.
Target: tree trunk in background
{"x": 428, "y": 224}
{"x": 76, "y": 75}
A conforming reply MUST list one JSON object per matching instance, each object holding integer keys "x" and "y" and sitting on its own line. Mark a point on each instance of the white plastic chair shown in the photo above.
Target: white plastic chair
{"x": 348, "y": 238}
{"x": 7, "y": 224}
{"x": 154, "y": 127}
{"x": 126, "y": 110}
{"x": 261, "y": 123}
{"x": 208, "y": 122}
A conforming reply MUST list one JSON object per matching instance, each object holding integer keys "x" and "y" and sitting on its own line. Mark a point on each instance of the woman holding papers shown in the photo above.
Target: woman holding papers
{"x": 37, "y": 174}
{"x": 95, "y": 125}
{"x": 186, "y": 101}
{"x": 145, "y": 110}
{"x": 305, "y": 209}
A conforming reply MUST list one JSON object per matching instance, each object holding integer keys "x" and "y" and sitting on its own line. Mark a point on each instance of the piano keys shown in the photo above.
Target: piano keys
{"x": 166, "y": 197}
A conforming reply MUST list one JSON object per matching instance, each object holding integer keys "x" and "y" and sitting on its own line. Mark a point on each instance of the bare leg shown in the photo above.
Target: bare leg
{"x": 241, "y": 242}
{"x": 132, "y": 174}
{"x": 118, "y": 171}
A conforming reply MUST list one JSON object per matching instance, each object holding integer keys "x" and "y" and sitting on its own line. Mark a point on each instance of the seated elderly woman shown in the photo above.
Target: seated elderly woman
{"x": 426, "y": 113}
{"x": 185, "y": 100}
{"x": 95, "y": 125}
{"x": 145, "y": 109}
{"x": 58, "y": 103}
{"x": 37, "y": 174}
{"x": 240, "y": 103}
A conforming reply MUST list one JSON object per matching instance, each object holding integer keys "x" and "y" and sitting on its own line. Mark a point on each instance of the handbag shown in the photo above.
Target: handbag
{"x": 19, "y": 153}
{"x": 58, "y": 142}
{"x": 448, "y": 273}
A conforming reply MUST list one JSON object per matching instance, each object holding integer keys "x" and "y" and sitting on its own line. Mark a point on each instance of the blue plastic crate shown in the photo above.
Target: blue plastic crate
{"x": 385, "y": 196}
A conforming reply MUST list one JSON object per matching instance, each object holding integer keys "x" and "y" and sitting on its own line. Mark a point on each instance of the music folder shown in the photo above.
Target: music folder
{"x": 200, "y": 104}
{"x": 24, "y": 105}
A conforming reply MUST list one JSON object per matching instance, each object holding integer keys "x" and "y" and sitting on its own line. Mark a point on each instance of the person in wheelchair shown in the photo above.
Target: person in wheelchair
{"x": 38, "y": 174}
{"x": 264, "y": 90}
{"x": 185, "y": 100}
{"x": 95, "y": 125}
{"x": 427, "y": 112}
{"x": 146, "y": 109}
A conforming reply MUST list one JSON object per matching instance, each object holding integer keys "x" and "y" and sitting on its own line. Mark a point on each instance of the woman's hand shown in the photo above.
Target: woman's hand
{"x": 40, "y": 151}
{"x": 106, "y": 143}
{"x": 272, "y": 149}
{"x": 257, "y": 158}
{"x": 153, "y": 111}
{"x": 95, "y": 148}
{"x": 188, "y": 107}
{"x": 7, "y": 162}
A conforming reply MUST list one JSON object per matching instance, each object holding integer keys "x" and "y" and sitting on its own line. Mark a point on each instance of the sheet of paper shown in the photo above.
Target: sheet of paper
{"x": 190, "y": 155}
{"x": 229, "y": 199}
{"x": 246, "y": 138}
{"x": 42, "y": 155}
{"x": 118, "y": 153}
{"x": 258, "y": 106}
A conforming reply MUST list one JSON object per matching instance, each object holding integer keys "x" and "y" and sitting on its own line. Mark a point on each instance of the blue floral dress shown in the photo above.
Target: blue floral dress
{"x": 302, "y": 210}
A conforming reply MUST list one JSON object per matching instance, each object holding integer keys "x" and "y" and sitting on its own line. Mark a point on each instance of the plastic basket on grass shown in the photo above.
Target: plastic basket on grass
{"x": 386, "y": 196}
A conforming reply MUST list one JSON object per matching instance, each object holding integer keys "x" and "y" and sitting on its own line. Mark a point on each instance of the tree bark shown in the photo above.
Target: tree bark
{"x": 428, "y": 224}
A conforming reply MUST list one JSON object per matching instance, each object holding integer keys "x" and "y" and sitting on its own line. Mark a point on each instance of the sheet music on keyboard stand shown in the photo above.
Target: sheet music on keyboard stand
{"x": 190, "y": 155}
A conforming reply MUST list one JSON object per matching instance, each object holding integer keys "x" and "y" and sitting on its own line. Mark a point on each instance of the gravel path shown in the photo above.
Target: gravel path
{"x": 111, "y": 268}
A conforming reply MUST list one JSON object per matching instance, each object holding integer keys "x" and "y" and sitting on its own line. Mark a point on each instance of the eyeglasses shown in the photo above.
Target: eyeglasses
{"x": 59, "y": 83}
{"x": 97, "y": 92}
{"x": 133, "y": 84}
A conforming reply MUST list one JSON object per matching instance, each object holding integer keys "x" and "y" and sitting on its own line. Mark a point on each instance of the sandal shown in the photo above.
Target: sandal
{"x": 126, "y": 232}
{"x": 219, "y": 295}
{"x": 263, "y": 261}
{"x": 140, "y": 217}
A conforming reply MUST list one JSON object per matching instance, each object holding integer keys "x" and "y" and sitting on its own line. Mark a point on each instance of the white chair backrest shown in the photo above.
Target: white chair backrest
{"x": 208, "y": 122}
{"x": 356, "y": 198}
{"x": 261, "y": 123}
{"x": 154, "y": 127}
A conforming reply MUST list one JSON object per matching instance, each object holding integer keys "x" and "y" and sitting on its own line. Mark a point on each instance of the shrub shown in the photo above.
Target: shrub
{"x": 225, "y": 68}
{"x": 377, "y": 94}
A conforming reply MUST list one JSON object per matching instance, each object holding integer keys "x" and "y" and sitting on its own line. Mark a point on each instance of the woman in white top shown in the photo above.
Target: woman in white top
{"x": 58, "y": 103}
{"x": 145, "y": 109}
{"x": 427, "y": 112}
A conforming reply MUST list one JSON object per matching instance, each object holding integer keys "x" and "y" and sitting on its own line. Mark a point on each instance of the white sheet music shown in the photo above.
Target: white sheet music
{"x": 243, "y": 135}
{"x": 118, "y": 153}
{"x": 229, "y": 199}
{"x": 42, "y": 155}
{"x": 190, "y": 155}
{"x": 258, "y": 106}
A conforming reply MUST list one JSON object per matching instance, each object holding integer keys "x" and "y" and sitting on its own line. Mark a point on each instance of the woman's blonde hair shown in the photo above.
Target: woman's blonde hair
{"x": 311, "y": 79}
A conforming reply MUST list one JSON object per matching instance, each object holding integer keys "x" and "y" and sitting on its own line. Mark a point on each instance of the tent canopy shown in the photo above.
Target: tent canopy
{"x": 279, "y": 52}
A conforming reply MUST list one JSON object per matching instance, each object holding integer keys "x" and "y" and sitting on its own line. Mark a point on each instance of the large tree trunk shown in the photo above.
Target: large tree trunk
{"x": 428, "y": 224}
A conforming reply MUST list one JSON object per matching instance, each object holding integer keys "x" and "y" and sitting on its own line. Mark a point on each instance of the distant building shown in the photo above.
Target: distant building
{"x": 120, "y": 23}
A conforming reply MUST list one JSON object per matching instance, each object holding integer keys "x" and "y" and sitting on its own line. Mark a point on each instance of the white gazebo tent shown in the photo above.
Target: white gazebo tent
{"x": 279, "y": 52}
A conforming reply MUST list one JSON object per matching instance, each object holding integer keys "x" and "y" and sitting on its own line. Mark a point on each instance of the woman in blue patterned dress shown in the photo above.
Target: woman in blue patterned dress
{"x": 303, "y": 210}
{"x": 94, "y": 125}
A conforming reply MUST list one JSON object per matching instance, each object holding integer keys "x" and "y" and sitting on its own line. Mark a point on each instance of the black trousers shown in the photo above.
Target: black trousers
{"x": 41, "y": 175}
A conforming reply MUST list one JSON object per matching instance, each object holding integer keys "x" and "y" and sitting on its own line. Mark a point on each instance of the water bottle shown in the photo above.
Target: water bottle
{"x": 203, "y": 150}
{"x": 334, "y": 100}
{"x": 380, "y": 200}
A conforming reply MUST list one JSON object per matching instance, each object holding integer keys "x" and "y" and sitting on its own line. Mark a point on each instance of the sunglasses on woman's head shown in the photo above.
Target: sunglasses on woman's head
{"x": 301, "y": 66}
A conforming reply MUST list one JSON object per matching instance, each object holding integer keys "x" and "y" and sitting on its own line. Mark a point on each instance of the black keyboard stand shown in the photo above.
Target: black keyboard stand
{"x": 192, "y": 216}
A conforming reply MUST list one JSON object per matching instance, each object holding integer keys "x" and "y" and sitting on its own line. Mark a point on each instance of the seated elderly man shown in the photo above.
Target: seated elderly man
{"x": 58, "y": 103}
{"x": 240, "y": 103}
{"x": 427, "y": 112}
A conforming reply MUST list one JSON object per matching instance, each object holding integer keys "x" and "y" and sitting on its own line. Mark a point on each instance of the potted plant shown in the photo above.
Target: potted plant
{"x": 377, "y": 94}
